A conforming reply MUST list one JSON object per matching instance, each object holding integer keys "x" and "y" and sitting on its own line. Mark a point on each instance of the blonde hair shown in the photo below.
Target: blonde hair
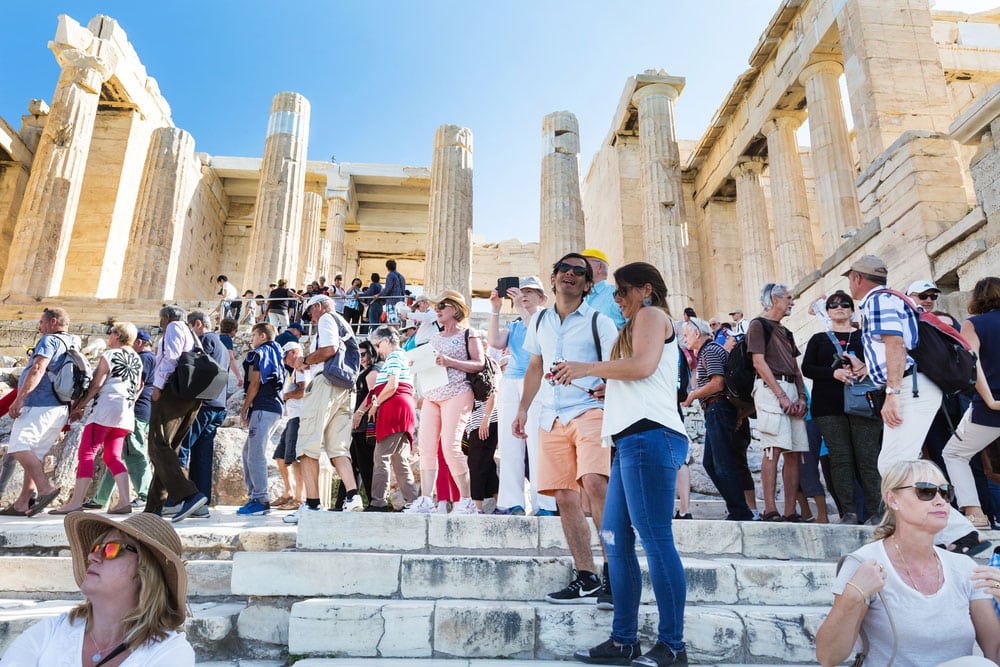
{"x": 126, "y": 332}
{"x": 899, "y": 474}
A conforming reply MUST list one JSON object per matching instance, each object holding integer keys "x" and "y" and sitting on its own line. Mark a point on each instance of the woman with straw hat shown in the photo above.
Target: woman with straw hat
{"x": 135, "y": 589}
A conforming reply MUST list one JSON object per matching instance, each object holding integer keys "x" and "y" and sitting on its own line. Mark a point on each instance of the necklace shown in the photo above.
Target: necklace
{"x": 96, "y": 658}
{"x": 909, "y": 575}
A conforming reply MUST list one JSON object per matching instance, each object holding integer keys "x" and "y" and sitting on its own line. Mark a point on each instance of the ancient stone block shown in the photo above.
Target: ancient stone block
{"x": 498, "y": 577}
{"x": 472, "y": 628}
{"x": 363, "y": 628}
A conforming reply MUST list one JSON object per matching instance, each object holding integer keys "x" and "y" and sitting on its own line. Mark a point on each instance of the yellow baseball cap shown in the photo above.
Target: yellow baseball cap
{"x": 596, "y": 254}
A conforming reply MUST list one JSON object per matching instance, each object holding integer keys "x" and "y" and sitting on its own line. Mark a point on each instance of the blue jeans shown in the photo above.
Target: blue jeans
{"x": 641, "y": 493}
{"x": 263, "y": 424}
{"x": 720, "y": 459}
{"x": 201, "y": 446}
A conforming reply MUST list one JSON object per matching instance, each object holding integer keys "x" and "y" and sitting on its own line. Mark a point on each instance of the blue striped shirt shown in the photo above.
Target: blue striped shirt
{"x": 885, "y": 314}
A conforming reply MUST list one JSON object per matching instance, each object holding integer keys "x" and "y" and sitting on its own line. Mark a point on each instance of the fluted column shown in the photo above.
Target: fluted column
{"x": 153, "y": 255}
{"x": 323, "y": 267}
{"x": 312, "y": 215}
{"x": 52, "y": 195}
{"x": 751, "y": 214}
{"x": 663, "y": 220}
{"x": 336, "y": 218}
{"x": 561, "y": 221}
{"x": 793, "y": 242}
{"x": 274, "y": 240}
{"x": 449, "y": 231}
{"x": 830, "y": 149}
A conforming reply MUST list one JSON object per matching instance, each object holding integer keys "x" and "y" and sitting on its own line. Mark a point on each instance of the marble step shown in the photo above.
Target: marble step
{"x": 541, "y": 631}
{"x": 511, "y": 578}
{"x": 418, "y": 662}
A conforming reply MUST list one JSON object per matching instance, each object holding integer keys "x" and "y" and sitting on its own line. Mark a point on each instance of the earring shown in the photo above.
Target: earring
{"x": 646, "y": 301}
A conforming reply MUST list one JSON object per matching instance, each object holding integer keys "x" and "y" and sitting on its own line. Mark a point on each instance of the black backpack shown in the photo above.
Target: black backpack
{"x": 740, "y": 373}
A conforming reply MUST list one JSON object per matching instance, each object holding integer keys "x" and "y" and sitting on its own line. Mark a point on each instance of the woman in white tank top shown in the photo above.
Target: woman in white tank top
{"x": 640, "y": 416}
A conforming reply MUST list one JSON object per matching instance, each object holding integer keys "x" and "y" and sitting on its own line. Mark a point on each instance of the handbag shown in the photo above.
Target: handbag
{"x": 861, "y": 398}
{"x": 484, "y": 382}
{"x": 197, "y": 376}
{"x": 341, "y": 370}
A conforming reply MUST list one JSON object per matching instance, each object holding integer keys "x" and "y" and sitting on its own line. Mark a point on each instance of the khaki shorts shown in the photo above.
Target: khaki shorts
{"x": 567, "y": 453}
{"x": 37, "y": 429}
{"x": 776, "y": 429}
{"x": 325, "y": 420}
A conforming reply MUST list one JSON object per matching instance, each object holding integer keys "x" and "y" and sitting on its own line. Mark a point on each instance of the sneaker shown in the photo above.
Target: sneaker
{"x": 609, "y": 654}
{"x": 139, "y": 502}
{"x": 377, "y": 508}
{"x": 254, "y": 508}
{"x": 464, "y": 506}
{"x": 849, "y": 518}
{"x": 355, "y": 504}
{"x": 547, "y": 513}
{"x": 582, "y": 590}
{"x": 604, "y": 600}
{"x": 422, "y": 505}
{"x": 91, "y": 505}
{"x": 294, "y": 516}
{"x": 678, "y": 515}
{"x": 200, "y": 513}
{"x": 756, "y": 515}
{"x": 516, "y": 510}
{"x": 189, "y": 506}
{"x": 170, "y": 510}
{"x": 660, "y": 656}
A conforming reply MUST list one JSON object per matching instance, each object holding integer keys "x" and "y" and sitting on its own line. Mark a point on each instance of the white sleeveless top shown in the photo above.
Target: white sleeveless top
{"x": 653, "y": 398}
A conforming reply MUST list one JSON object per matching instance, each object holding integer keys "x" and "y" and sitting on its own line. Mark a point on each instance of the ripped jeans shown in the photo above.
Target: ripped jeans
{"x": 641, "y": 494}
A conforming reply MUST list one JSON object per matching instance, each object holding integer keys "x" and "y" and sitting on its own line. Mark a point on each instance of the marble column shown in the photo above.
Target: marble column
{"x": 274, "y": 240}
{"x": 561, "y": 228}
{"x": 153, "y": 254}
{"x": 48, "y": 211}
{"x": 663, "y": 220}
{"x": 323, "y": 267}
{"x": 793, "y": 240}
{"x": 830, "y": 150}
{"x": 336, "y": 218}
{"x": 449, "y": 229}
{"x": 312, "y": 215}
{"x": 755, "y": 239}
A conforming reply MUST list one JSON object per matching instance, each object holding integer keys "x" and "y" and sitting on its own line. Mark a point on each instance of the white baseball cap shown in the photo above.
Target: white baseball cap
{"x": 921, "y": 286}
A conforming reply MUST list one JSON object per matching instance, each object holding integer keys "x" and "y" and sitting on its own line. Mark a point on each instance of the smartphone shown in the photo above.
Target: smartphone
{"x": 504, "y": 284}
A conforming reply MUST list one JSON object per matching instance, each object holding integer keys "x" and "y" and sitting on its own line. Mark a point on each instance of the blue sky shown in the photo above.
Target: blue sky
{"x": 382, "y": 76}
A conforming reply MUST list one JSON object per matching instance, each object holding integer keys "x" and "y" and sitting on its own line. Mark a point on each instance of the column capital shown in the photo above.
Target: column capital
{"x": 833, "y": 67}
{"x": 747, "y": 166}
{"x": 780, "y": 121}
{"x": 655, "y": 89}
{"x": 91, "y": 66}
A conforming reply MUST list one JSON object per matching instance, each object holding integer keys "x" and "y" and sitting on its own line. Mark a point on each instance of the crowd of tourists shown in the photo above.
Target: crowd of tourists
{"x": 574, "y": 408}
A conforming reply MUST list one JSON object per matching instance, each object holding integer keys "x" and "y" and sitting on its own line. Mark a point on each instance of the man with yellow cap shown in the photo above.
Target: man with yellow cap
{"x": 602, "y": 294}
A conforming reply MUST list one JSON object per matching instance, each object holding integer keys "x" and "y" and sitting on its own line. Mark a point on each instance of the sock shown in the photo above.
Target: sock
{"x": 350, "y": 494}
{"x": 312, "y": 503}
{"x": 442, "y": 504}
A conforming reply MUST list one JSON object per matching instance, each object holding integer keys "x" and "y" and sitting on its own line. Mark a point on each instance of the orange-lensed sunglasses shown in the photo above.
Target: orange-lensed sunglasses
{"x": 112, "y": 550}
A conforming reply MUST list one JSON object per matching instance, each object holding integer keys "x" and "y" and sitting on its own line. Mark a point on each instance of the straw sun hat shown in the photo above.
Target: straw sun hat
{"x": 455, "y": 298}
{"x": 149, "y": 530}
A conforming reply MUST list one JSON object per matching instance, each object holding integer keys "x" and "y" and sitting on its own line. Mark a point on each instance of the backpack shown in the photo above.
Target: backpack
{"x": 941, "y": 353}
{"x": 740, "y": 373}
{"x": 486, "y": 381}
{"x": 71, "y": 379}
{"x": 341, "y": 370}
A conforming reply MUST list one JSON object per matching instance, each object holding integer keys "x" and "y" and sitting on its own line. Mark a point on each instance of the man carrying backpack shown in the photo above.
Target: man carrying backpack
{"x": 38, "y": 413}
{"x": 889, "y": 333}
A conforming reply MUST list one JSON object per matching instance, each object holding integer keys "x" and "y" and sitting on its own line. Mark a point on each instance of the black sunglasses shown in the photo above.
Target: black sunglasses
{"x": 933, "y": 296}
{"x": 925, "y": 490}
{"x": 840, "y": 304}
{"x": 622, "y": 291}
{"x": 577, "y": 270}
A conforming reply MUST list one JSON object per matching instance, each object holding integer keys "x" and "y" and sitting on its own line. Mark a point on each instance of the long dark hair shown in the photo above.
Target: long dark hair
{"x": 639, "y": 274}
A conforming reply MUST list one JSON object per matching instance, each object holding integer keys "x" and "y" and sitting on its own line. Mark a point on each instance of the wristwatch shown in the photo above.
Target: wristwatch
{"x": 892, "y": 390}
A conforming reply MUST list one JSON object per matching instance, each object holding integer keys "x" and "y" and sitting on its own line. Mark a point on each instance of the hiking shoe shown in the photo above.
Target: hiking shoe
{"x": 660, "y": 656}
{"x": 604, "y": 600}
{"x": 582, "y": 590}
{"x": 464, "y": 506}
{"x": 189, "y": 506}
{"x": 294, "y": 516}
{"x": 422, "y": 505}
{"x": 609, "y": 654}
{"x": 254, "y": 508}
{"x": 91, "y": 505}
{"x": 355, "y": 504}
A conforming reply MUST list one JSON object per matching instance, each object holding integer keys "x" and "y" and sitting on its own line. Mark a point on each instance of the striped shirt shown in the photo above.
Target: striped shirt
{"x": 885, "y": 314}
{"x": 711, "y": 361}
{"x": 395, "y": 364}
{"x": 476, "y": 418}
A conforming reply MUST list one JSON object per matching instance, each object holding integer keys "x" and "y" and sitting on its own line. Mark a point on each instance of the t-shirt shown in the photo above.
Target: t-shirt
{"x": 780, "y": 352}
{"x": 279, "y": 306}
{"x": 53, "y": 347}
{"x": 115, "y": 402}
{"x": 712, "y": 359}
{"x": 227, "y": 340}
{"x": 214, "y": 347}
{"x": 143, "y": 404}
{"x": 914, "y": 614}
{"x": 519, "y": 357}
{"x": 293, "y": 406}
{"x": 395, "y": 364}
{"x": 57, "y": 642}
{"x": 268, "y": 398}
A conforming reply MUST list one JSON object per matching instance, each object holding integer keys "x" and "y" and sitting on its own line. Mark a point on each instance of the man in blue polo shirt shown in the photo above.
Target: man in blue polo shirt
{"x": 602, "y": 293}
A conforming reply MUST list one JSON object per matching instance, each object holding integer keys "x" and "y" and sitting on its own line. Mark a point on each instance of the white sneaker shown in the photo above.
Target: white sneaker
{"x": 464, "y": 506}
{"x": 355, "y": 504}
{"x": 294, "y": 516}
{"x": 422, "y": 505}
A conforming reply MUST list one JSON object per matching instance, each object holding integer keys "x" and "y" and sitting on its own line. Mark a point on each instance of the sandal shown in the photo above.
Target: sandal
{"x": 12, "y": 511}
{"x": 968, "y": 545}
{"x": 67, "y": 510}
{"x": 794, "y": 517}
{"x": 126, "y": 509}
{"x": 282, "y": 500}
{"x": 42, "y": 502}
{"x": 773, "y": 516}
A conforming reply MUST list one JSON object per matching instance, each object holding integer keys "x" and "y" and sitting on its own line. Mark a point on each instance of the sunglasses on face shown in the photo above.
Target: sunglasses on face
{"x": 933, "y": 296}
{"x": 622, "y": 291}
{"x": 925, "y": 490}
{"x": 442, "y": 305}
{"x": 840, "y": 304}
{"x": 112, "y": 550}
{"x": 578, "y": 271}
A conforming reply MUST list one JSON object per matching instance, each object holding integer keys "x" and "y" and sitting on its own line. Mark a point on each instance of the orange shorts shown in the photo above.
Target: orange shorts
{"x": 568, "y": 452}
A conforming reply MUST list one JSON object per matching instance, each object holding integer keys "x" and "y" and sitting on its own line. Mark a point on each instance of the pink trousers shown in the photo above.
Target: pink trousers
{"x": 94, "y": 437}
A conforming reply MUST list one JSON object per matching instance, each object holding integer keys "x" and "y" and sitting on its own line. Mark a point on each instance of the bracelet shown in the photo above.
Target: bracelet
{"x": 864, "y": 598}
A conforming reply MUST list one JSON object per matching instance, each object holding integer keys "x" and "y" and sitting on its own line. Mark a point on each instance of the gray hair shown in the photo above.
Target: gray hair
{"x": 768, "y": 291}
{"x": 699, "y": 325}
{"x": 199, "y": 316}
{"x": 172, "y": 313}
{"x": 384, "y": 332}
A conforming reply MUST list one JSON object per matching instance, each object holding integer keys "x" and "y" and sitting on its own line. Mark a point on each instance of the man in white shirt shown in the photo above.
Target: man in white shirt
{"x": 426, "y": 320}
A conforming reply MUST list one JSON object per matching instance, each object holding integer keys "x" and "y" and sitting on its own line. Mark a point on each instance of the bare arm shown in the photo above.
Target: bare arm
{"x": 297, "y": 392}
{"x": 38, "y": 367}
{"x": 987, "y": 625}
{"x": 835, "y": 638}
{"x": 651, "y": 328}
{"x": 532, "y": 381}
{"x": 100, "y": 377}
{"x": 895, "y": 364}
{"x": 716, "y": 384}
{"x": 495, "y": 337}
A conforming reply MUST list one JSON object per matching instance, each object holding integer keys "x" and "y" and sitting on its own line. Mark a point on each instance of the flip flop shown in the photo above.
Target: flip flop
{"x": 773, "y": 517}
{"x": 121, "y": 510}
{"x": 42, "y": 502}
{"x": 11, "y": 511}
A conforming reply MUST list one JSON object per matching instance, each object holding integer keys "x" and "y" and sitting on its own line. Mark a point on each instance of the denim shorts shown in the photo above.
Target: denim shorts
{"x": 286, "y": 445}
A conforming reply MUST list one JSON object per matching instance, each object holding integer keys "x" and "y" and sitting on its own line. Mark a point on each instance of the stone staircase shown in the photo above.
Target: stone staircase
{"x": 375, "y": 589}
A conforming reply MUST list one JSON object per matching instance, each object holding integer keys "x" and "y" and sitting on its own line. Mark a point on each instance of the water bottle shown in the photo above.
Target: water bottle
{"x": 995, "y": 562}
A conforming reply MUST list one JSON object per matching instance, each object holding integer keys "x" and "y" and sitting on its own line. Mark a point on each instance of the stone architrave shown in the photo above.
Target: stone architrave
{"x": 793, "y": 239}
{"x": 336, "y": 218}
{"x": 274, "y": 240}
{"x": 751, "y": 214}
{"x": 312, "y": 216}
{"x": 663, "y": 219}
{"x": 562, "y": 226}
{"x": 48, "y": 211}
{"x": 830, "y": 150}
{"x": 154, "y": 246}
{"x": 449, "y": 229}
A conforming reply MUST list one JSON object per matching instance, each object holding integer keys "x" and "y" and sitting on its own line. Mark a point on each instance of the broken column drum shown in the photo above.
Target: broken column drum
{"x": 561, "y": 228}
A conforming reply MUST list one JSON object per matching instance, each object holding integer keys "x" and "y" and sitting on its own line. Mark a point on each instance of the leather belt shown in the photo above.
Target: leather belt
{"x": 714, "y": 398}
{"x": 785, "y": 378}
